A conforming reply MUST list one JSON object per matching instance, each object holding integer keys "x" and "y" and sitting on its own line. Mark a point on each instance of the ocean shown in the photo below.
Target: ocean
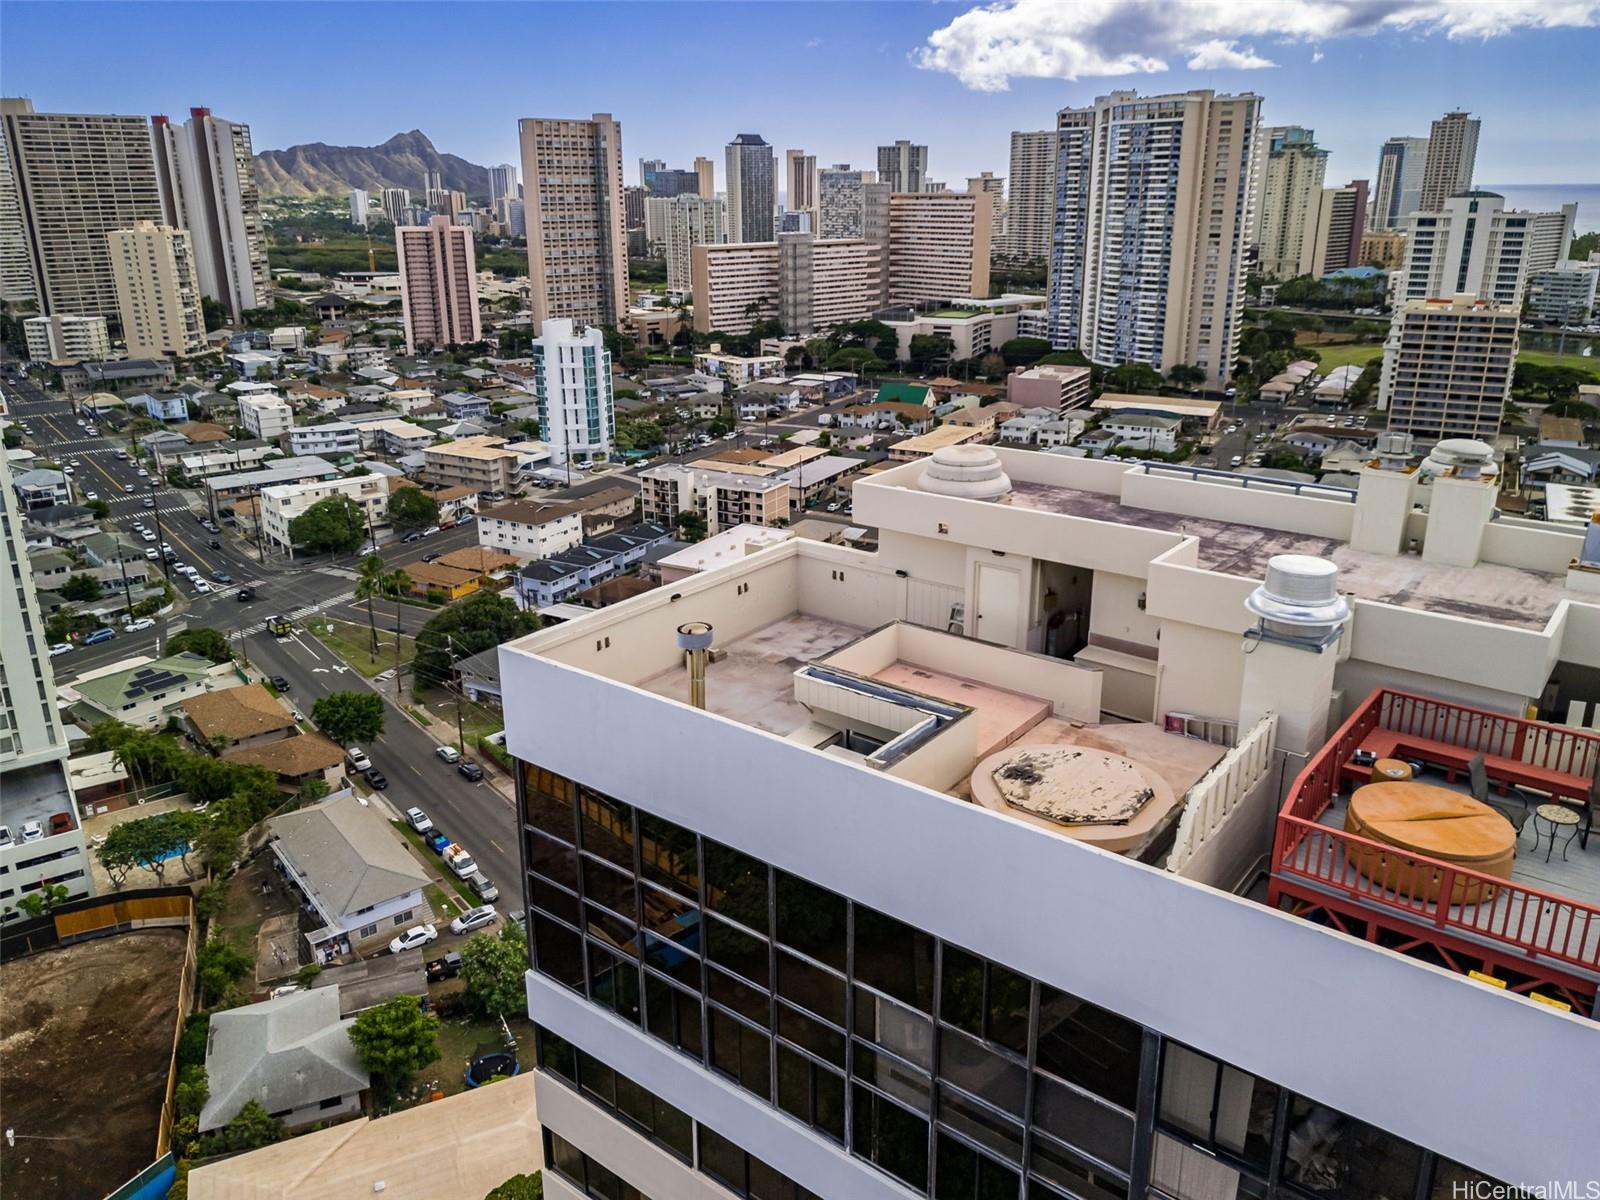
{"x": 1546, "y": 197}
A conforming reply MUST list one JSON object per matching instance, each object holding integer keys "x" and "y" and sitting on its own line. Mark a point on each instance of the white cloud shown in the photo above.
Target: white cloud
{"x": 988, "y": 46}
{"x": 1218, "y": 55}
{"x": 813, "y": 43}
{"x": 1316, "y": 56}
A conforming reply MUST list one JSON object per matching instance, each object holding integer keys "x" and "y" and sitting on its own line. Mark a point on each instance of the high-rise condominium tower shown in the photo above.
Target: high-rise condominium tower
{"x": 206, "y": 171}
{"x": 502, "y": 183}
{"x": 1452, "y": 155}
{"x": 903, "y": 166}
{"x": 75, "y": 178}
{"x": 1031, "y": 207}
{"x": 1398, "y": 191}
{"x": 1476, "y": 246}
{"x": 690, "y": 221}
{"x": 706, "y": 177}
{"x": 395, "y": 203}
{"x": 995, "y": 187}
{"x": 157, "y": 282}
{"x": 438, "y": 284}
{"x": 752, "y": 189}
{"x": 577, "y": 240}
{"x": 800, "y": 185}
{"x": 839, "y": 201}
{"x": 1291, "y": 195}
{"x": 938, "y": 246}
{"x": 358, "y": 207}
{"x": 1447, "y": 367}
{"x": 16, "y": 280}
{"x": 572, "y": 383}
{"x": 1124, "y": 288}
{"x": 1341, "y": 222}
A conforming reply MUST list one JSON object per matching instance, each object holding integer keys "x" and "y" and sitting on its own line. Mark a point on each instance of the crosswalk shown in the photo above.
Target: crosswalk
{"x": 300, "y": 614}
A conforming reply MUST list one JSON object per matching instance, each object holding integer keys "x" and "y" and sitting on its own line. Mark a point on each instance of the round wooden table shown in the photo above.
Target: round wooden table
{"x": 1441, "y": 824}
{"x": 1390, "y": 770}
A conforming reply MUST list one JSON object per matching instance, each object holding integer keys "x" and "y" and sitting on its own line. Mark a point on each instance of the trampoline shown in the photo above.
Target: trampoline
{"x": 490, "y": 1064}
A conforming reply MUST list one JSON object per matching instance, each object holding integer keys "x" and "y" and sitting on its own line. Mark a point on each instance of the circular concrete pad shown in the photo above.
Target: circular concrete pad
{"x": 1090, "y": 795}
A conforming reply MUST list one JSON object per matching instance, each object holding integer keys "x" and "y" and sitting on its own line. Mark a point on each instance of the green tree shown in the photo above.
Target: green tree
{"x": 81, "y": 588}
{"x": 1134, "y": 377}
{"x": 492, "y": 968}
{"x": 333, "y": 525}
{"x": 1183, "y": 375}
{"x": 926, "y": 348}
{"x": 219, "y": 965}
{"x": 482, "y": 620}
{"x": 349, "y": 717}
{"x": 251, "y": 1128}
{"x": 395, "y": 1039}
{"x": 520, "y": 1187}
{"x": 208, "y": 643}
{"x": 691, "y": 526}
{"x": 13, "y": 437}
{"x": 216, "y": 313}
{"x": 1022, "y": 351}
{"x": 99, "y": 508}
{"x": 411, "y": 509}
{"x": 192, "y": 1092}
{"x": 49, "y": 896}
{"x": 149, "y": 842}
{"x": 373, "y": 582}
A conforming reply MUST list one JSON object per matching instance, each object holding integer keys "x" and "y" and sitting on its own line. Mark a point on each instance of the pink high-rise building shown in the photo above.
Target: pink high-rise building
{"x": 438, "y": 284}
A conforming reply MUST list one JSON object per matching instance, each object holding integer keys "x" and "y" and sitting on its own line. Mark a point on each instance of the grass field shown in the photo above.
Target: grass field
{"x": 353, "y": 643}
{"x": 1361, "y": 353}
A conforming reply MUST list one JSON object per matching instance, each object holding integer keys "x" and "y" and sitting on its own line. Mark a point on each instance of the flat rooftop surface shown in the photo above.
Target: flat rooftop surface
{"x": 1487, "y": 592}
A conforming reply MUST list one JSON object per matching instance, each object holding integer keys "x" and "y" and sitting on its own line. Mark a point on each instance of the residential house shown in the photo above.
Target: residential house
{"x": 465, "y": 406}
{"x": 1023, "y": 429}
{"x": 41, "y": 488}
{"x": 119, "y": 375}
{"x": 202, "y": 433}
{"x": 454, "y": 504}
{"x": 530, "y": 529}
{"x": 925, "y": 444}
{"x": 142, "y": 691}
{"x": 556, "y": 579}
{"x": 266, "y": 416}
{"x": 162, "y": 406}
{"x": 217, "y": 458}
{"x": 737, "y": 370}
{"x": 478, "y": 676}
{"x": 394, "y": 437}
{"x": 1144, "y": 433}
{"x": 410, "y": 402}
{"x": 452, "y": 583}
{"x": 238, "y": 718}
{"x": 1062, "y": 431}
{"x": 334, "y": 439}
{"x": 296, "y": 761}
{"x": 291, "y": 1054}
{"x": 353, "y": 869}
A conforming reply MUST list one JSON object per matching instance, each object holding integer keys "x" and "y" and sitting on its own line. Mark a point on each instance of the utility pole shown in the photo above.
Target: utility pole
{"x": 127, "y": 596}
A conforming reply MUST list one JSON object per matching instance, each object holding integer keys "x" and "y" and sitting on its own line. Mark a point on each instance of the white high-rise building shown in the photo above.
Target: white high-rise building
{"x": 158, "y": 291}
{"x": 938, "y": 246}
{"x": 752, "y": 189}
{"x": 572, "y": 384}
{"x": 67, "y": 338}
{"x": 807, "y": 283}
{"x": 502, "y": 183}
{"x": 1474, "y": 245}
{"x": 1124, "y": 288}
{"x": 691, "y": 220}
{"x": 207, "y": 175}
{"x": 44, "y": 840}
{"x": 16, "y": 281}
{"x": 800, "y": 185}
{"x": 840, "y": 202}
{"x": 994, "y": 187}
{"x": 1451, "y": 158}
{"x": 395, "y": 203}
{"x": 438, "y": 284}
{"x": 1398, "y": 190}
{"x": 358, "y": 207}
{"x": 1291, "y": 196}
{"x": 1031, "y": 207}
{"x": 75, "y": 178}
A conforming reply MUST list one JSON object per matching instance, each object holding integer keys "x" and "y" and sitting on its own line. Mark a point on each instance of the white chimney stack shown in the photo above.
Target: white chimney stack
{"x": 1290, "y": 657}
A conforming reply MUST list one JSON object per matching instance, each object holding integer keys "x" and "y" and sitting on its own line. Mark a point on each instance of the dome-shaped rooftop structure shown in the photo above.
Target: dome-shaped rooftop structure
{"x": 970, "y": 472}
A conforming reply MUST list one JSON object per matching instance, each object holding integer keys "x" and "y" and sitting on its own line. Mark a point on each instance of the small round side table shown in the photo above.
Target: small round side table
{"x": 1555, "y": 818}
{"x": 1390, "y": 770}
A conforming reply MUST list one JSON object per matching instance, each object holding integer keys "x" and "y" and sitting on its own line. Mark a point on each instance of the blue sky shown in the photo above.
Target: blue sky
{"x": 835, "y": 79}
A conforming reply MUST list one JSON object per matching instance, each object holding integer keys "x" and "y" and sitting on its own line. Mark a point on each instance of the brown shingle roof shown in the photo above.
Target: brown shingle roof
{"x": 237, "y": 713}
{"x": 527, "y": 512}
{"x": 292, "y": 756}
{"x": 478, "y": 559}
{"x": 202, "y": 431}
{"x": 438, "y": 575}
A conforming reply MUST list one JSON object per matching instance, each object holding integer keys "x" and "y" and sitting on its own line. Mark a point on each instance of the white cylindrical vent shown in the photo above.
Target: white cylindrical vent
{"x": 971, "y": 472}
{"x": 1299, "y": 598}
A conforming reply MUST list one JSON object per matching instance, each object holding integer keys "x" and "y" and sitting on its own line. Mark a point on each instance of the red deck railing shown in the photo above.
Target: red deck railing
{"x": 1532, "y": 925}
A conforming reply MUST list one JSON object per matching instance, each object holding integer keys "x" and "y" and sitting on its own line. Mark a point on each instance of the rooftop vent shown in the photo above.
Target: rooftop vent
{"x": 694, "y": 639}
{"x": 1465, "y": 458}
{"x": 1589, "y": 556}
{"x": 970, "y": 472}
{"x": 1299, "y": 601}
{"x": 1394, "y": 451}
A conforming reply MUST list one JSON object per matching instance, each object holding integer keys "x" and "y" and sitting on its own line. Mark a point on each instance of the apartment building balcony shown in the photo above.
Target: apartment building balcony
{"x": 1530, "y": 919}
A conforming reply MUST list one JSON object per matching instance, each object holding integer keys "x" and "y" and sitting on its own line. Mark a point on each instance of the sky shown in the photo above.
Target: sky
{"x": 835, "y": 79}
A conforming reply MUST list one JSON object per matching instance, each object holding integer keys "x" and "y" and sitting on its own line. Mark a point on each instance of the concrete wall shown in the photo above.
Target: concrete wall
{"x": 1165, "y": 492}
{"x": 1526, "y": 545}
{"x": 1114, "y": 610}
{"x": 1201, "y": 671}
{"x": 1176, "y": 956}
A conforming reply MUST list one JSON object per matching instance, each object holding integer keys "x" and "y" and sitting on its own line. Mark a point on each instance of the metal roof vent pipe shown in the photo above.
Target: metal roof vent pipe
{"x": 1287, "y": 670}
{"x": 694, "y": 639}
{"x": 1298, "y": 603}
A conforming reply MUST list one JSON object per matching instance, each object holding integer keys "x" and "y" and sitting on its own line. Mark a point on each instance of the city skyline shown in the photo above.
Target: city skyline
{"x": 951, "y": 80}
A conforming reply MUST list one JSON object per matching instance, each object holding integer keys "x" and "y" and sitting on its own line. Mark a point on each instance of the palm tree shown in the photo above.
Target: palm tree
{"x": 372, "y": 581}
{"x": 397, "y": 583}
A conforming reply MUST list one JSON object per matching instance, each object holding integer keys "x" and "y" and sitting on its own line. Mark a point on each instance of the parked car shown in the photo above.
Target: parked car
{"x": 32, "y": 831}
{"x": 60, "y": 823}
{"x": 471, "y": 770}
{"x": 419, "y": 820}
{"x": 376, "y": 778}
{"x": 430, "y": 531}
{"x": 200, "y": 585}
{"x": 447, "y": 966}
{"x": 358, "y": 758}
{"x": 483, "y": 888}
{"x": 436, "y": 841}
{"x": 222, "y": 577}
{"x": 139, "y": 624}
{"x": 474, "y": 918}
{"x": 60, "y": 648}
{"x": 152, "y": 554}
{"x": 279, "y": 682}
{"x": 429, "y": 557}
{"x": 459, "y": 860}
{"x": 449, "y": 753}
{"x": 413, "y": 938}
{"x": 99, "y": 635}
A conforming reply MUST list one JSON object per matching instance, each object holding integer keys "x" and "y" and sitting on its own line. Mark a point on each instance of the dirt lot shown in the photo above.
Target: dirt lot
{"x": 86, "y": 1034}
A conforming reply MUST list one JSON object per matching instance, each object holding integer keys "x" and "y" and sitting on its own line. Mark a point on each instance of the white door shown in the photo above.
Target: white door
{"x": 999, "y": 597}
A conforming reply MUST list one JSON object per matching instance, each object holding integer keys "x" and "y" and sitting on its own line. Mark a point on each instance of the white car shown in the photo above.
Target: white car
{"x": 129, "y": 488}
{"x": 143, "y": 474}
{"x": 141, "y": 624}
{"x": 149, "y": 537}
{"x": 449, "y": 753}
{"x": 152, "y": 554}
{"x": 474, "y": 918}
{"x": 60, "y": 648}
{"x": 358, "y": 758}
{"x": 419, "y": 820}
{"x": 200, "y": 585}
{"x": 413, "y": 938}
{"x": 91, "y": 495}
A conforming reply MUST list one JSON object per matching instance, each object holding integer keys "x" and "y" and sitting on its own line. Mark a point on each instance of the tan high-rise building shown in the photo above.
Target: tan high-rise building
{"x": 904, "y": 166}
{"x": 1121, "y": 291}
{"x": 75, "y": 178}
{"x": 1291, "y": 200}
{"x": 1383, "y": 248}
{"x": 938, "y": 246}
{"x": 206, "y": 171}
{"x": 438, "y": 284}
{"x": 1447, "y": 367}
{"x": 995, "y": 186}
{"x": 1452, "y": 155}
{"x": 808, "y": 283}
{"x": 690, "y": 220}
{"x": 1031, "y": 208}
{"x": 573, "y": 205}
{"x": 157, "y": 284}
{"x": 706, "y": 170}
{"x": 800, "y": 185}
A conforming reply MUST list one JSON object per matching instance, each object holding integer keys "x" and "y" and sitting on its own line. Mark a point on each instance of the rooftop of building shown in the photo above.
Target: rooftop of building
{"x": 143, "y": 682}
{"x": 37, "y": 793}
{"x": 238, "y": 712}
{"x": 473, "y": 447}
{"x": 346, "y": 853}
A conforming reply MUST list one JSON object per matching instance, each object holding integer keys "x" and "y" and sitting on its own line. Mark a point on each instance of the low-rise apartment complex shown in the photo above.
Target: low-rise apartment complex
{"x": 483, "y": 464}
{"x": 280, "y": 505}
{"x": 1447, "y": 367}
{"x": 723, "y": 498}
{"x": 529, "y": 529}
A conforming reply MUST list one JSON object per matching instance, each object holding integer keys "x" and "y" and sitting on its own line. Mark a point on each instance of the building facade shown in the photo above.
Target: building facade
{"x": 205, "y": 169}
{"x": 1341, "y": 222}
{"x": 67, "y": 337}
{"x": 752, "y": 189}
{"x": 691, "y": 220}
{"x": 706, "y": 178}
{"x": 800, "y": 186}
{"x": 904, "y": 167}
{"x": 502, "y": 183}
{"x": 816, "y": 282}
{"x": 529, "y": 529}
{"x": 438, "y": 284}
{"x": 281, "y": 504}
{"x": 573, "y": 206}
{"x": 158, "y": 291}
{"x": 1398, "y": 190}
{"x": 840, "y": 202}
{"x": 1447, "y": 367}
{"x": 1474, "y": 245}
{"x": 1291, "y": 199}
{"x": 484, "y": 464}
{"x": 1452, "y": 156}
{"x": 395, "y": 203}
{"x": 74, "y": 178}
{"x": 359, "y": 203}
{"x": 1564, "y": 295}
{"x": 1122, "y": 291}
{"x": 1031, "y": 206}
{"x": 572, "y": 383}
{"x": 939, "y": 246}
{"x": 267, "y": 416}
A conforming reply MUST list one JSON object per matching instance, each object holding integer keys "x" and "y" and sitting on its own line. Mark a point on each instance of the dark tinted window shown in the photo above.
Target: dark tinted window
{"x": 811, "y": 919}
{"x": 552, "y": 860}
{"x": 673, "y": 1014}
{"x": 738, "y": 951}
{"x": 606, "y": 828}
{"x": 668, "y": 855}
{"x": 1331, "y": 1154}
{"x": 896, "y": 1140}
{"x": 740, "y": 1052}
{"x": 1089, "y": 1046}
{"x": 547, "y": 803}
{"x": 736, "y": 886}
{"x": 965, "y": 1174}
{"x": 722, "y": 1160}
{"x": 558, "y": 952}
{"x": 1082, "y": 1121}
{"x": 811, "y": 987}
{"x": 556, "y": 1055}
{"x": 894, "y": 958}
{"x": 610, "y": 887}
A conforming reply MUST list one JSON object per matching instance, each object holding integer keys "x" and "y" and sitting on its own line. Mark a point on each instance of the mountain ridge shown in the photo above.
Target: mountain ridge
{"x": 314, "y": 168}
